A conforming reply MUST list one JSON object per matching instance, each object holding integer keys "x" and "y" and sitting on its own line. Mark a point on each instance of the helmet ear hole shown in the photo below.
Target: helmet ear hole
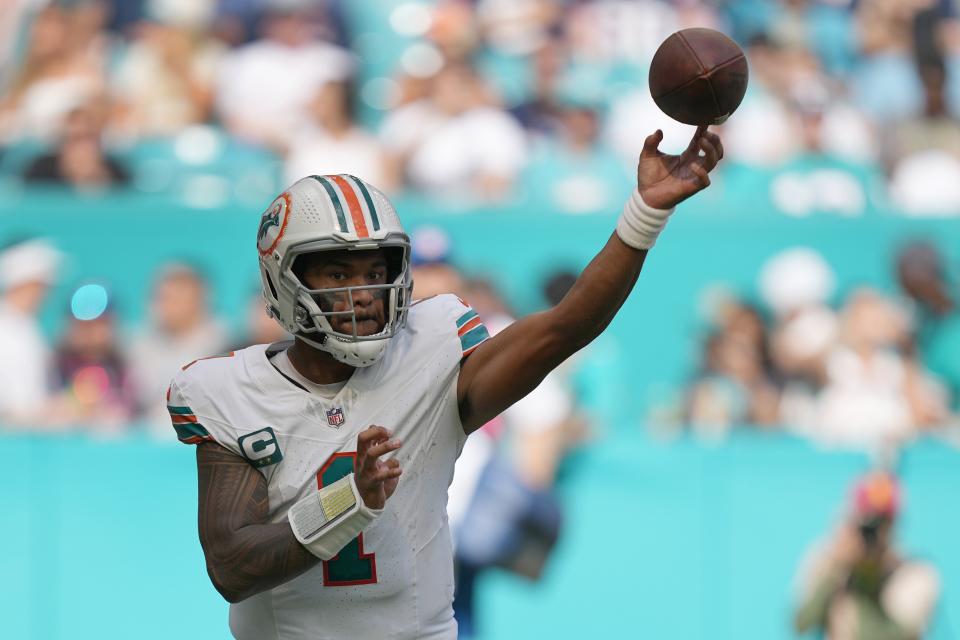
{"x": 269, "y": 281}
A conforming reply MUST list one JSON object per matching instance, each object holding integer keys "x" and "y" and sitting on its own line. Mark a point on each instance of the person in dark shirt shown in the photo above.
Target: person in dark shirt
{"x": 79, "y": 160}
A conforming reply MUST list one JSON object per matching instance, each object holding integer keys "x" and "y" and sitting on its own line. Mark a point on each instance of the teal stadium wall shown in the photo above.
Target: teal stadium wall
{"x": 670, "y": 541}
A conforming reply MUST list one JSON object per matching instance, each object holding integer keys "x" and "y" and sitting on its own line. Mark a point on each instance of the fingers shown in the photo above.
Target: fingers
{"x": 370, "y": 436}
{"x": 716, "y": 142}
{"x": 703, "y": 177}
{"x": 381, "y": 448}
{"x": 694, "y": 146}
{"x": 372, "y": 443}
{"x": 387, "y": 471}
{"x": 711, "y": 155}
{"x": 651, "y": 144}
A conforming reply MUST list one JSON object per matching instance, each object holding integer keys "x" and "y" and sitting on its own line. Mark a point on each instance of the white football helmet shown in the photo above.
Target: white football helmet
{"x": 331, "y": 213}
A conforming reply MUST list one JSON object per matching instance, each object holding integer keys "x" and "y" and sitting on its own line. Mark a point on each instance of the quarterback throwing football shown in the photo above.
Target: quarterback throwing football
{"x": 324, "y": 462}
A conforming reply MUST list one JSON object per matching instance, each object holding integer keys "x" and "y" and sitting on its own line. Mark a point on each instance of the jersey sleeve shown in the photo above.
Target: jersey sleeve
{"x": 471, "y": 331}
{"x": 189, "y": 428}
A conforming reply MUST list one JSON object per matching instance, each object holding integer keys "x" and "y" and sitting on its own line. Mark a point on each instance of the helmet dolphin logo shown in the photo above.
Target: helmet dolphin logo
{"x": 270, "y": 219}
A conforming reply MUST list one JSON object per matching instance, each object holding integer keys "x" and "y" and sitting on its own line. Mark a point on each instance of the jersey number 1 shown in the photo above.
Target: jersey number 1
{"x": 351, "y": 566}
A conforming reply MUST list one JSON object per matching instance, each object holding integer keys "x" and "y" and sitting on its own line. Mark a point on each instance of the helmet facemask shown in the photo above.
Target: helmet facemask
{"x": 315, "y": 313}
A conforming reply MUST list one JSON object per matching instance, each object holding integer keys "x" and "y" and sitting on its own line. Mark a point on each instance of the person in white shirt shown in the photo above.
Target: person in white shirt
{"x": 334, "y": 142}
{"x": 180, "y": 329}
{"x": 27, "y": 270}
{"x": 265, "y": 87}
{"x": 455, "y": 145}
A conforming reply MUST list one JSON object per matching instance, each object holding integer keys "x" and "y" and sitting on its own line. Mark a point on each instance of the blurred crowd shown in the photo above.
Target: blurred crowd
{"x": 874, "y": 371}
{"x": 94, "y": 374}
{"x": 488, "y": 101}
{"x": 851, "y": 102}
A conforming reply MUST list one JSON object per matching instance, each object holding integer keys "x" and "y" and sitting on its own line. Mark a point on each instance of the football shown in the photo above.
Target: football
{"x": 698, "y": 76}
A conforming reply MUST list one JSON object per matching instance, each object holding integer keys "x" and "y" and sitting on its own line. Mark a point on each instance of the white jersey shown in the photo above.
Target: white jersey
{"x": 395, "y": 580}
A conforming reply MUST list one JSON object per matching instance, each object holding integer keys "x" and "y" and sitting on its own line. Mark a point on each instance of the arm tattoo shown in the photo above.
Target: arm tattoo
{"x": 245, "y": 554}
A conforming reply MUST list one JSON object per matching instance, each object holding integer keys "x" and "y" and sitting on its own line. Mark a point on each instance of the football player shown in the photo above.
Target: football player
{"x": 324, "y": 462}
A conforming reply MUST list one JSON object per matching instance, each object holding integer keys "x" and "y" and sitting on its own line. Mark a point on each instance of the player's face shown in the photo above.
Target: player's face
{"x": 337, "y": 269}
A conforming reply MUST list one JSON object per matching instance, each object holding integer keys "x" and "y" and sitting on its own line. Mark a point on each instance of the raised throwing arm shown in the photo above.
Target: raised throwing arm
{"x": 512, "y": 363}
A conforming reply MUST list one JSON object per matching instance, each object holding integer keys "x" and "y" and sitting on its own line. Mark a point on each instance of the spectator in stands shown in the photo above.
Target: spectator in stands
{"x": 260, "y": 328}
{"x": 335, "y": 143}
{"x": 265, "y": 88}
{"x": 62, "y": 69}
{"x": 27, "y": 271}
{"x": 433, "y": 272}
{"x": 734, "y": 386}
{"x": 922, "y": 275}
{"x": 765, "y": 131}
{"x": 539, "y": 114}
{"x": 605, "y": 32}
{"x": 923, "y": 153}
{"x": 934, "y": 128}
{"x": 14, "y": 19}
{"x": 79, "y": 161}
{"x": 833, "y": 169}
{"x": 181, "y": 330}
{"x": 164, "y": 82}
{"x": 859, "y": 584}
{"x": 93, "y": 377}
{"x": 874, "y": 396}
{"x": 796, "y": 286}
{"x": 884, "y": 83}
{"x": 454, "y": 30}
{"x": 825, "y": 29}
{"x": 574, "y": 171}
{"x": 517, "y": 27}
{"x": 455, "y": 145}
{"x": 194, "y": 15}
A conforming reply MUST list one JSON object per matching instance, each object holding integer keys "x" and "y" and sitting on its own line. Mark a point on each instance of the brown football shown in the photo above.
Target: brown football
{"x": 698, "y": 76}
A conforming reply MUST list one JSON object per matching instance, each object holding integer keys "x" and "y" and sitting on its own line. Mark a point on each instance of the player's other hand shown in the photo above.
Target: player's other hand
{"x": 665, "y": 181}
{"x": 376, "y": 479}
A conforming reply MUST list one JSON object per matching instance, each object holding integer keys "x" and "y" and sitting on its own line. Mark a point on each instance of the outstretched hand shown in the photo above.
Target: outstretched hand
{"x": 666, "y": 180}
{"x": 376, "y": 479}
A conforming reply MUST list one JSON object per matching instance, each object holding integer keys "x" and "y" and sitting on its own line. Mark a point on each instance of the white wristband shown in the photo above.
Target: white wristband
{"x": 640, "y": 224}
{"x": 326, "y": 520}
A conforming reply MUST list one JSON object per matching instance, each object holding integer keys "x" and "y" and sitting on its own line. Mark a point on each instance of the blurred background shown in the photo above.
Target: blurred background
{"x": 762, "y": 445}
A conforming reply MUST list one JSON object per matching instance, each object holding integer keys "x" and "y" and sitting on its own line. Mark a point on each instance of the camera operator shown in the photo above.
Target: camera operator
{"x": 859, "y": 586}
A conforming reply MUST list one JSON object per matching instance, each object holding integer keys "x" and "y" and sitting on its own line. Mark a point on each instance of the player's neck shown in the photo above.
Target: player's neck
{"x": 317, "y": 366}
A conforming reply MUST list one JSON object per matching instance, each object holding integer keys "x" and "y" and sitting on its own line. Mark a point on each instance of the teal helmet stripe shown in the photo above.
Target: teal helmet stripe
{"x": 335, "y": 198}
{"x": 366, "y": 197}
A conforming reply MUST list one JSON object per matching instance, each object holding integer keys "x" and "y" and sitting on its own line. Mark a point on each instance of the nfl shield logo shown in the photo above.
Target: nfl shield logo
{"x": 335, "y": 417}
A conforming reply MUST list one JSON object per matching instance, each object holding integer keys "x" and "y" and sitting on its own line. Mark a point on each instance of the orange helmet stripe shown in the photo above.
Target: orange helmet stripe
{"x": 356, "y": 212}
